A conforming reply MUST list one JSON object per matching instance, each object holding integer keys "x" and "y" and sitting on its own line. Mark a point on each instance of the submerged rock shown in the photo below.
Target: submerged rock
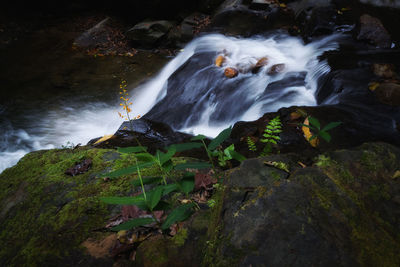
{"x": 276, "y": 69}
{"x": 260, "y": 63}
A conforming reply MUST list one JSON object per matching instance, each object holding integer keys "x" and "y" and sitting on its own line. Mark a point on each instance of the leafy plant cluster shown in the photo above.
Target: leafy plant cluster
{"x": 315, "y": 127}
{"x": 171, "y": 180}
{"x": 270, "y": 136}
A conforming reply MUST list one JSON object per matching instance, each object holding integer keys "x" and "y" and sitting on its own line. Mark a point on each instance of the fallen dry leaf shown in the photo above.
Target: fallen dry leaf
{"x": 203, "y": 180}
{"x": 308, "y": 134}
{"x": 79, "y": 168}
{"x": 372, "y": 86}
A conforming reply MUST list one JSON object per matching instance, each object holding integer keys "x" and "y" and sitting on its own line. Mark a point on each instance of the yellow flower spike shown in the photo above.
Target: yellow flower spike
{"x": 121, "y": 104}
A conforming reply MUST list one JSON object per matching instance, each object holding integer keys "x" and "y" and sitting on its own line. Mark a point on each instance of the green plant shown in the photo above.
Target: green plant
{"x": 251, "y": 145}
{"x": 271, "y": 135}
{"x": 214, "y": 148}
{"x": 315, "y": 127}
{"x": 151, "y": 200}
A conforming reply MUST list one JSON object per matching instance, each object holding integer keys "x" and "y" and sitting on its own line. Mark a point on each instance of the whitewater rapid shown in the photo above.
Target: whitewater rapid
{"x": 80, "y": 122}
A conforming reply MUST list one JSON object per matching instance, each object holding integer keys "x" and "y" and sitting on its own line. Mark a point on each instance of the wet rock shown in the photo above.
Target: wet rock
{"x": 79, "y": 168}
{"x": 322, "y": 21}
{"x": 276, "y": 69}
{"x": 188, "y": 28}
{"x": 152, "y": 134}
{"x": 373, "y": 31}
{"x": 231, "y": 72}
{"x": 149, "y": 33}
{"x": 388, "y": 93}
{"x": 237, "y": 19}
{"x": 260, "y": 63}
{"x": 386, "y": 71}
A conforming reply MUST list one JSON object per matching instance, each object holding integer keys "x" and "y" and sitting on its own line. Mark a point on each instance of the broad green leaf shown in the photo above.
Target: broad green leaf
{"x": 193, "y": 165}
{"x": 198, "y": 137}
{"x": 215, "y": 153}
{"x": 164, "y": 157}
{"x": 132, "y": 224}
{"x": 220, "y": 138}
{"x": 162, "y": 205}
{"x": 228, "y": 150}
{"x": 331, "y": 126}
{"x": 123, "y": 200}
{"x": 237, "y": 156}
{"x": 314, "y": 122}
{"x": 179, "y": 214}
{"x": 147, "y": 180}
{"x": 187, "y": 184}
{"x": 154, "y": 197}
{"x": 132, "y": 149}
{"x": 187, "y": 146}
{"x": 170, "y": 188}
{"x": 129, "y": 170}
{"x": 146, "y": 157}
{"x": 326, "y": 136}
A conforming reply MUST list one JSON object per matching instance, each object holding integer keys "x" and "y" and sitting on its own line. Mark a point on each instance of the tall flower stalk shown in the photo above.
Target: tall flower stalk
{"x": 126, "y": 106}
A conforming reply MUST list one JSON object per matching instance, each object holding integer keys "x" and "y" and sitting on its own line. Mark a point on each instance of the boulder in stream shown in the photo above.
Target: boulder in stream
{"x": 373, "y": 31}
{"x": 148, "y": 33}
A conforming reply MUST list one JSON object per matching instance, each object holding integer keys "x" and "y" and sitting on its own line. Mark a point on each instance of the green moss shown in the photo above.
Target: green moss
{"x": 323, "y": 161}
{"x": 49, "y": 214}
{"x": 180, "y": 237}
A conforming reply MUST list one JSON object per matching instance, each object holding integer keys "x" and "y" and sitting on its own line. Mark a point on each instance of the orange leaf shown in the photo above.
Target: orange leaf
{"x": 308, "y": 134}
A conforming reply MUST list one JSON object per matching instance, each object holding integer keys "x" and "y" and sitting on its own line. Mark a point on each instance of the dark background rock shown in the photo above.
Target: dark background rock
{"x": 324, "y": 215}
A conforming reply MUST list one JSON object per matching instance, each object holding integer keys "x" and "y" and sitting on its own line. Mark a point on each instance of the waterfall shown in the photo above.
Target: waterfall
{"x": 190, "y": 93}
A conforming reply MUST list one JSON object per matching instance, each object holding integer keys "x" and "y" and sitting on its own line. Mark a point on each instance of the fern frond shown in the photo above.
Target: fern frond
{"x": 251, "y": 144}
{"x": 272, "y": 131}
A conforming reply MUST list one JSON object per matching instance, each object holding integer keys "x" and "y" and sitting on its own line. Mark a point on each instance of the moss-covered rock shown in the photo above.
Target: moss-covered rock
{"x": 46, "y": 214}
{"x": 342, "y": 211}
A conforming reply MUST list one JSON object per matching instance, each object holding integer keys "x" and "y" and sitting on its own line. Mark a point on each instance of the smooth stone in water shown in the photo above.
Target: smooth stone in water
{"x": 231, "y": 72}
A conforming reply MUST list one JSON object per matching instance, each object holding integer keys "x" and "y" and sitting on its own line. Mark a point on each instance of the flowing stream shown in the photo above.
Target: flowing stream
{"x": 190, "y": 93}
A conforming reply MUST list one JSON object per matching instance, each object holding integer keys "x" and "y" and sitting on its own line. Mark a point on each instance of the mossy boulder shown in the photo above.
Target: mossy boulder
{"x": 344, "y": 210}
{"x": 46, "y": 215}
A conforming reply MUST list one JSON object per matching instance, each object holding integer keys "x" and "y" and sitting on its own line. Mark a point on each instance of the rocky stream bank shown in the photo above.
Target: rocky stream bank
{"x": 332, "y": 204}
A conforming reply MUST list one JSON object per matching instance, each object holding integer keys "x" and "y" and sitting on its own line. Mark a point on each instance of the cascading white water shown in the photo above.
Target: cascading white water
{"x": 80, "y": 123}
{"x": 250, "y": 90}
